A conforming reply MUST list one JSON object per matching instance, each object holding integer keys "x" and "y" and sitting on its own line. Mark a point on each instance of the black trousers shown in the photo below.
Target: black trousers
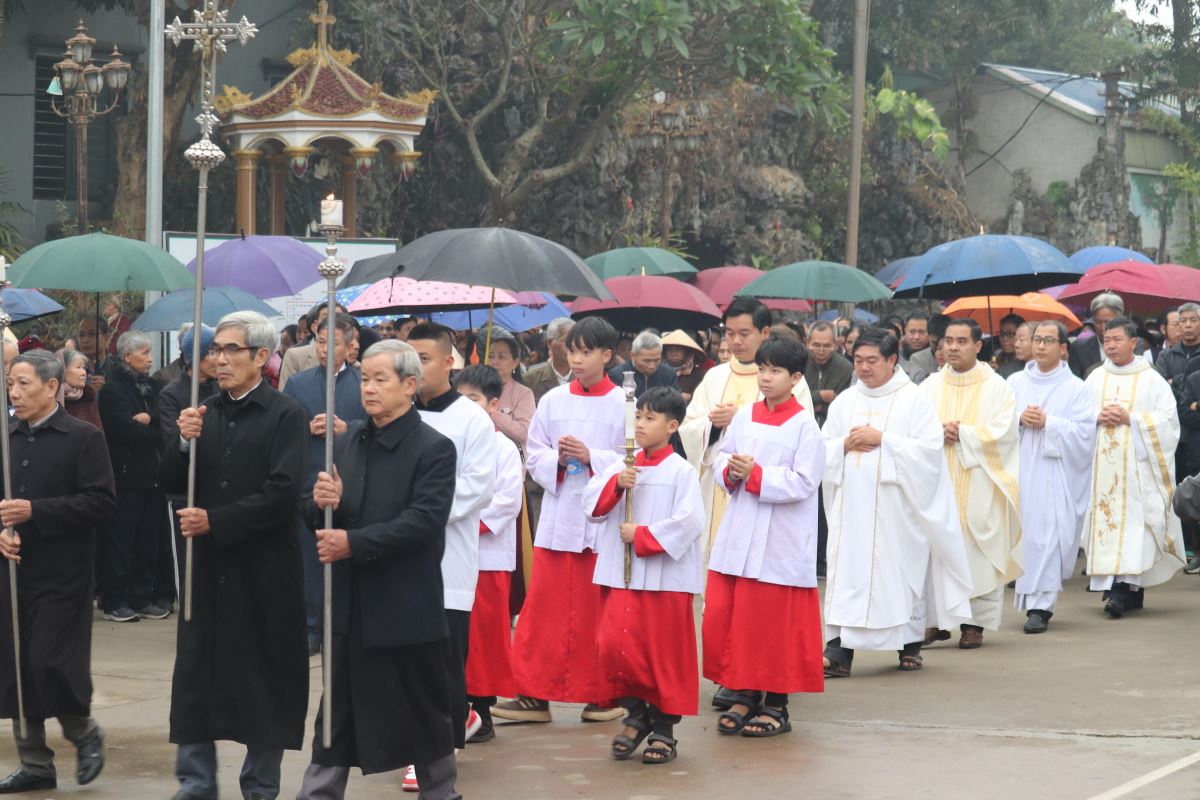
{"x": 459, "y": 623}
{"x": 135, "y": 550}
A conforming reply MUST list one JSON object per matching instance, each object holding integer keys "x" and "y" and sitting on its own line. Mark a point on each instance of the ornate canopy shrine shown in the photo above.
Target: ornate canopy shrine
{"x": 322, "y": 107}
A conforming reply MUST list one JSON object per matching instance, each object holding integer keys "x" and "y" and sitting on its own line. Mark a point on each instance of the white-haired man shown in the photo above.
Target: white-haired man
{"x": 646, "y": 364}
{"x": 1085, "y": 354}
{"x": 241, "y": 663}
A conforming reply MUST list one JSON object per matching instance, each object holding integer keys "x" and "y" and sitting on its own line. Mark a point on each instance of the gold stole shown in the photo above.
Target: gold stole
{"x": 741, "y": 389}
{"x": 1110, "y": 476}
{"x": 959, "y": 400}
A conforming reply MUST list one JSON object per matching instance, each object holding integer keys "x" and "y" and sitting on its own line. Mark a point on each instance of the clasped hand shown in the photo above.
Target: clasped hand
{"x": 863, "y": 439}
{"x": 950, "y": 432}
{"x": 1112, "y": 415}
{"x": 316, "y": 426}
{"x": 1033, "y": 417}
{"x": 740, "y": 466}
{"x": 569, "y": 447}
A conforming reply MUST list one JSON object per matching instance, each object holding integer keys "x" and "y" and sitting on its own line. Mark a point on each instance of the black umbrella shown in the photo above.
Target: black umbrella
{"x": 496, "y": 257}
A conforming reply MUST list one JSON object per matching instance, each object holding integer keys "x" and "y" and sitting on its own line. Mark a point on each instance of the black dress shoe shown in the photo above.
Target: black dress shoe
{"x": 182, "y": 795}
{"x": 90, "y": 760}
{"x": 1114, "y": 608}
{"x": 25, "y": 781}
{"x": 1038, "y": 621}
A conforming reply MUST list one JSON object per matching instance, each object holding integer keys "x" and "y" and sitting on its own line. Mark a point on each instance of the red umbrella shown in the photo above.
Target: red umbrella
{"x": 650, "y": 301}
{"x": 1145, "y": 288}
{"x": 722, "y": 283}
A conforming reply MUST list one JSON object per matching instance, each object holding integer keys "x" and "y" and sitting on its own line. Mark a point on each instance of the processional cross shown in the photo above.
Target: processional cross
{"x": 208, "y": 31}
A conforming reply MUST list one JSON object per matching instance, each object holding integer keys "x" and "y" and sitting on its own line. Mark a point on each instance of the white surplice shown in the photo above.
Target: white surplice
{"x": 890, "y": 511}
{"x": 769, "y": 532}
{"x": 498, "y": 547}
{"x": 474, "y": 436}
{"x": 984, "y": 470}
{"x": 1056, "y": 479}
{"x": 732, "y": 382}
{"x": 1130, "y": 533}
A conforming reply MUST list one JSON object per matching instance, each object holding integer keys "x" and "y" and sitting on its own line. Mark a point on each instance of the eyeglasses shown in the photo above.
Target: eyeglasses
{"x": 1044, "y": 340}
{"x": 1007, "y": 334}
{"x": 229, "y": 350}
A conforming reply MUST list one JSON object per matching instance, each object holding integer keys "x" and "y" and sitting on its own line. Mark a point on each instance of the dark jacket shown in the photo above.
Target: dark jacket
{"x": 1189, "y": 421}
{"x": 85, "y": 407}
{"x": 398, "y": 485}
{"x": 540, "y": 378}
{"x": 663, "y": 376}
{"x": 834, "y": 375}
{"x": 241, "y": 664}
{"x": 132, "y": 446}
{"x": 1083, "y": 355}
{"x": 62, "y": 467}
{"x": 308, "y": 389}
{"x": 174, "y": 398}
{"x": 1010, "y": 366}
{"x": 1176, "y": 364}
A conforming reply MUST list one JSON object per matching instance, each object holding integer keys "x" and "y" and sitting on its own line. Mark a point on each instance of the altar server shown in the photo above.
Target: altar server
{"x": 578, "y": 430}
{"x": 762, "y": 621}
{"x": 647, "y": 629}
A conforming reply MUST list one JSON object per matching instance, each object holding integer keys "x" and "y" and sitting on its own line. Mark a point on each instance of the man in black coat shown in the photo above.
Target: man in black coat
{"x": 1085, "y": 355}
{"x": 136, "y": 542}
{"x": 62, "y": 486}
{"x": 646, "y": 364}
{"x": 241, "y": 665}
{"x": 392, "y": 491}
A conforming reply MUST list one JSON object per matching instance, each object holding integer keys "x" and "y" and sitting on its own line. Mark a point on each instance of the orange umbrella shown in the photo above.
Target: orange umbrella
{"x": 1032, "y": 306}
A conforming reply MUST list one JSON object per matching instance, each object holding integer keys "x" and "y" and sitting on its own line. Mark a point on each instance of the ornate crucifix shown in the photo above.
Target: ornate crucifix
{"x": 208, "y": 31}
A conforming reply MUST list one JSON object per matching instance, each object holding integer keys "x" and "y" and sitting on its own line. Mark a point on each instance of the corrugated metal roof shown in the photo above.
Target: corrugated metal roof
{"x": 1082, "y": 92}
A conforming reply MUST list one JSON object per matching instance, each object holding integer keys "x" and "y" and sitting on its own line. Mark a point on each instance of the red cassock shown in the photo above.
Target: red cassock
{"x": 554, "y": 647}
{"x": 489, "y": 657}
{"x": 647, "y": 644}
{"x": 762, "y": 636}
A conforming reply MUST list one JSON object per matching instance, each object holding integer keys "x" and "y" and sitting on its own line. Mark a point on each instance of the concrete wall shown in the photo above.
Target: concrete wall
{"x": 1053, "y": 145}
{"x": 45, "y": 24}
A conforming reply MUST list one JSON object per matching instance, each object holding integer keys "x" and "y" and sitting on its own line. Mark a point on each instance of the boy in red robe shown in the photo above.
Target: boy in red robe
{"x": 647, "y": 629}
{"x": 577, "y": 431}
{"x": 762, "y": 622}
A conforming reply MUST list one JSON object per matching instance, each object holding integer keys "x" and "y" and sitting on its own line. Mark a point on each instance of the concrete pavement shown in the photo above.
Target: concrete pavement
{"x": 1070, "y": 715}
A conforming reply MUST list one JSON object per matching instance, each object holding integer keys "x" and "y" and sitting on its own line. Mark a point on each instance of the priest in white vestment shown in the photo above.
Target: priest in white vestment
{"x": 979, "y": 422}
{"x": 1058, "y": 434}
{"x": 724, "y": 390}
{"x": 1132, "y": 537}
{"x": 893, "y": 522}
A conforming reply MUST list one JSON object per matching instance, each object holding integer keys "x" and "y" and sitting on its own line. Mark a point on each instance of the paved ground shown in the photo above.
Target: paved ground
{"x": 1070, "y": 715}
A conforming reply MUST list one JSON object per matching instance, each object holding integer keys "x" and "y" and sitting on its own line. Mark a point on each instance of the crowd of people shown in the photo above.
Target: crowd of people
{"x": 482, "y": 477}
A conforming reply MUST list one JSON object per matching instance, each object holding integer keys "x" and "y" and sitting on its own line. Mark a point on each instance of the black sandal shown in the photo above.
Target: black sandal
{"x": 655, "y": 753}
{"x": 911, "y": 662}
{"x": 836, "y": 669}
{"x": 777, "y": 715}
{"x": 739, "y": 720}
{"x": 623, "y": 747}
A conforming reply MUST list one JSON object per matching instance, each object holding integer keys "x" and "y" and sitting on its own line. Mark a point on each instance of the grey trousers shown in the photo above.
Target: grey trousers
{"x": 36, "y": 756}
{"x": 196, "y": 768}
{"x": 329, "y": 783}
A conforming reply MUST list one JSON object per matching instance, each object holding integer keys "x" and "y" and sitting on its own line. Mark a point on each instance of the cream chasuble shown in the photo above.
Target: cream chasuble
{"x": 732, "y": 382}
{"x": 983, "y": 468}
{"x": 892, "y": 521}
{"x": 1130, "y": 529}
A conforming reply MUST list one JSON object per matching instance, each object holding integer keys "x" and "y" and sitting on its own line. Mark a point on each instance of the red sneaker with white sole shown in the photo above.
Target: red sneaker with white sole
{"x": 409, "y": 784}
{"x": 474, "y": 723}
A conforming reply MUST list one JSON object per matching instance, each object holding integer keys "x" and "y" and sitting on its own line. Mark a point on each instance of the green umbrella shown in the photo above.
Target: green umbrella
{"x": 626, "y": 261}
{"x": 816, "y": 280}
{"x": 98, "y": 262}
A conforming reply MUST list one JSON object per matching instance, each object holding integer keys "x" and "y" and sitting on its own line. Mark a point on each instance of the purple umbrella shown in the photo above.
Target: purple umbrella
{"x": 264, "y": 266}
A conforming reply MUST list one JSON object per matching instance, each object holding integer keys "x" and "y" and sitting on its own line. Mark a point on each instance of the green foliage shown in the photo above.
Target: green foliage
{"x": 1185, "y": 180}
{"x": 916, "y": 119}
{"x": 761, "y": 262}
{"x": 1058, "y": 194}
{"x": 12, "y": 243}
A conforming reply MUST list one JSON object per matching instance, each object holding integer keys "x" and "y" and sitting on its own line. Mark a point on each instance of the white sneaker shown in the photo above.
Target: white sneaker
{"x": 409, "y": 784}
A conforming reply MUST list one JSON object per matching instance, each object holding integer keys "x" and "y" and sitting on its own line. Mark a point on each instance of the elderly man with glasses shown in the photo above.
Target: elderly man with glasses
{"x": 241, "y": 664}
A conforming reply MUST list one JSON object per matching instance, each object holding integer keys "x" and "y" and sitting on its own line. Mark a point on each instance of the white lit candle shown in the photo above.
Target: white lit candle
{"x": 331, "y": 212}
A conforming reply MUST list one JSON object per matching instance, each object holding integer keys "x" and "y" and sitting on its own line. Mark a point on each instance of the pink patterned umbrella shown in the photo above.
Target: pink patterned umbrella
{"x": 406, "y": 296}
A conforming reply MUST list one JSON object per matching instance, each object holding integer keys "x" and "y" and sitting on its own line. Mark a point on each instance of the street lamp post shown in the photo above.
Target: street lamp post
{"x": 81, "y": 82}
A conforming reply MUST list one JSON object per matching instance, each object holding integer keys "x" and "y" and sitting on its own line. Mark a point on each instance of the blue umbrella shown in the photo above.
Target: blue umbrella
{"x": 515, "y": 318}
{"x": 169, "y": 312}
{"x": 861, "y": 316}
{"x": 1090, "y": 257}
{"x": 23, "y": 304}
{"x": 894, "y": 271}
{"x": 987, "y": 264}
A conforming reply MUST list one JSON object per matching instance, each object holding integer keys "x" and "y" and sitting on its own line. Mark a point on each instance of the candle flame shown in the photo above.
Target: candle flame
{"x": 331, "y": 197}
